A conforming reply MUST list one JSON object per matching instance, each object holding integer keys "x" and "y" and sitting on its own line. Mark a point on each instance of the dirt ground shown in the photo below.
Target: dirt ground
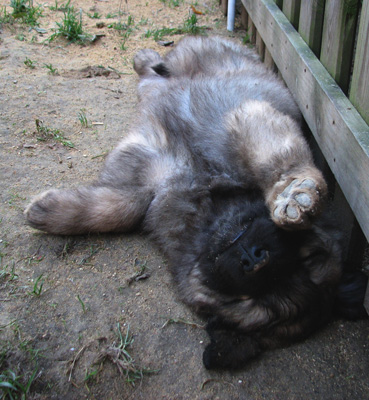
{"x": 67, "y": 303}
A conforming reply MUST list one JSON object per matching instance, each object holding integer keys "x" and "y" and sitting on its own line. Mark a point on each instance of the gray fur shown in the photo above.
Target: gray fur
{"x": 212, "y": 120}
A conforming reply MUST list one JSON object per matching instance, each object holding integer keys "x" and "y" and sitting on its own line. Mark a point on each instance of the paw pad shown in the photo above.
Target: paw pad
{"x": 296, "y": 203}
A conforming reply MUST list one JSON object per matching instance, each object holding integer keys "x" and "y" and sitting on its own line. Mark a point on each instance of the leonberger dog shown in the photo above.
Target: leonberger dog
{"x": 218, "y": 172}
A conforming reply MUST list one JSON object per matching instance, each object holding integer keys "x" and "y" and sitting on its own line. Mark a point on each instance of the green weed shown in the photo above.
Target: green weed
{"x": 83, "y": 119}
{"x": 29, "y": 63}
{"x": 8, "y": 275}
{"x": 71, "y": 27}
{"x": 189, "y": 27}
{"x": 62, "y": 7}
{"x": 172, "y": 3}
{"x": 37, "y": 287}
{"x": 82, "y": 304}
{"x": 13, "y": 386}
{"x": 5, "y": 18}
{"x": 52, "y": 70}
{"x": 46, "y": 133}
{"x": 119, "y": 355}
{"x": 24, "y": 10}
{"x": 95, "y": 15}
{"x": 123, "y": 26}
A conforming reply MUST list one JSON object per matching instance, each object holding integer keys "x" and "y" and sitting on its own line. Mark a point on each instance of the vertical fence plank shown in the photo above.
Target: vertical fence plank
{"x": 251, "y": 30}
{"x": 260, "y": 46}
{"x": 291, "y": 9}
{"x": 311, "y": 23}
{"x": 359, "y": 92}
{"x": 244, "y": 17}
{"x": 338, "y": 39}
{"x": 268, "y": 60}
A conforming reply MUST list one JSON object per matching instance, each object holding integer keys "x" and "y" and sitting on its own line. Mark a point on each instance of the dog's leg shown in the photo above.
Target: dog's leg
{"x": 88, "y": 209}
{"x": 271, "y": 145}
{"x": 117, "y": 202}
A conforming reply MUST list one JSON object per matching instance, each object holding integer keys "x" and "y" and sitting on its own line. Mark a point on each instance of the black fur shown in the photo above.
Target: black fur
{"x": 218, "y": 172}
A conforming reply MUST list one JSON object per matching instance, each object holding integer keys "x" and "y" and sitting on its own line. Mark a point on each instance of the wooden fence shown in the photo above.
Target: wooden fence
{"x": 321, "y": 50}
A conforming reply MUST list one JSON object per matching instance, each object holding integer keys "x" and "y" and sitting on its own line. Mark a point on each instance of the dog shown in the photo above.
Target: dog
{"x": 217, "y": 171}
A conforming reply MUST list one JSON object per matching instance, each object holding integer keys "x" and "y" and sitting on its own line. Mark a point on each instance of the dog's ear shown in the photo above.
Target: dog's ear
{"x": 161, "y": 69}
{"x": 228, "y": 348}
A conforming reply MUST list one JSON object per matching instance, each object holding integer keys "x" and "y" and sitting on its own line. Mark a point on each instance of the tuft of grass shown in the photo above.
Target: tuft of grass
{"x": 6, "y": 275}
{"x": 46, "y": 133}
{"x": 37, "y": 287}
{"x": 83, "y": 119}
{"x": 52, "y": 70}
{"x": 95, "y": 15}
{"x": 172, "y": 3}
{"x": 26, "y": 12}
{"x": 71, "y": 27}
{"x": 29, "y": 63}
{"x": 13, "y": 385}
{"x": 82, "y": 304}
{"x": 5, "y": 17}
{"x": 189, "y": 27}
{"x": 61, "y": 7}
{"x": 119, "y": 355}
{"x": 125, "y": 29}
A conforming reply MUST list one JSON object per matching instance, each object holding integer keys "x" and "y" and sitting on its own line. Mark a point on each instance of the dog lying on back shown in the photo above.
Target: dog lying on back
{"x": 218, "y": 172}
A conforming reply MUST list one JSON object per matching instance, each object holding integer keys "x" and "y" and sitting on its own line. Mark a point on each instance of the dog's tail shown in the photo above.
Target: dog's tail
{"x": 349, "y": 303}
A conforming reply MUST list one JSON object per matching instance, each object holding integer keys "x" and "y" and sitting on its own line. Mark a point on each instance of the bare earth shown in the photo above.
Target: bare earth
{"x": 67, "y": 331}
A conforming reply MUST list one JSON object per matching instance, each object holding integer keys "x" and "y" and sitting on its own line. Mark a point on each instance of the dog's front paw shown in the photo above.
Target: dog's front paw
{"x": 229, "y": 349}
{"x": 298, "y": 202}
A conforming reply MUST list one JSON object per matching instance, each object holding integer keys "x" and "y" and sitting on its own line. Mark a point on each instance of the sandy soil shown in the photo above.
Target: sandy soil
{"x": 67, "y": 302}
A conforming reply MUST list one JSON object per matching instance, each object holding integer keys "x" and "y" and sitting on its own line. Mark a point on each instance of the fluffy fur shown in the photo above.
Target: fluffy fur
{"x": 218, "y": 172}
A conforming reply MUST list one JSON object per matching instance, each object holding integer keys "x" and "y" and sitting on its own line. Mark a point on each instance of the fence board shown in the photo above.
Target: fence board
{"x": 291, "y": 9}
{"x": 338, "y": 39}
{"x": 311, "y": 23}
{"x": 359, "y": 93}
{"x": 341, "y": 133}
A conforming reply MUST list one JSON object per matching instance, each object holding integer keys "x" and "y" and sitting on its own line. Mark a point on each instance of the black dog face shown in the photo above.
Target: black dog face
{"x": 249, "y": 254}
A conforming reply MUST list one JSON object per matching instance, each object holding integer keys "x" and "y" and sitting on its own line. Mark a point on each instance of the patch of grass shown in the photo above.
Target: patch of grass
{"x": 246, "y": 39}
{"x": 119, "y": 355}
{"x": 29, "y": 63}
{"x": 94, "y": 249}
{"x": 82, "y": 304}
{"x": 71, "y": 27}
{"x": 83, "y": 119}
{"x": 7, "y": 274}
{"x": 189, "y": 27}
{"x": 95, "y": 15}
{"x": 26, "y": 12}
{"x": 52, "y": 70}
{"x": 172, "y": 3}
{"x": 123, "y": 26}
{"x": 15, "y": 386}
{"x": 5, "y": 18}
{"x": 37, "y": 287}
{"x": 46, "y": 133}
{"x": 61, "y": 7}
